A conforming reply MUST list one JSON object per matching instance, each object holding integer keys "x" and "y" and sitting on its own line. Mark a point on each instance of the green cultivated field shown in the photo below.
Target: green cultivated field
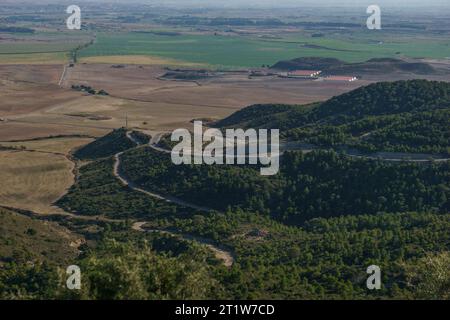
{"x": 27, "y": 48}
{"x": 253, "y": 51}
{"x": 42, "y": 47}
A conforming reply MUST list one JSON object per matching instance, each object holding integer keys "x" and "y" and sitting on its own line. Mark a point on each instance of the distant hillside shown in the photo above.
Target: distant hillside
{"x": 402, "y": 116}
{"x": 114, "y": 142}
{"x": 385, "y": 98}
{"x": 261, "y": 115}
{"x": 308, "y": 63}
{"x": 372, "y": 66}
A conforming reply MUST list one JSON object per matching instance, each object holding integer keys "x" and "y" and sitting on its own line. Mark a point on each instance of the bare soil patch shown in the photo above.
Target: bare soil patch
{"x": 139, "y": 60}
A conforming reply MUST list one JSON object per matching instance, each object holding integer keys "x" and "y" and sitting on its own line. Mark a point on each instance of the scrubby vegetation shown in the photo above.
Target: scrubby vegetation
{"x": 327, "y": 258}
{"x": 23, "y": 239}
{"x": 90, "y": 90}
{"x": 115, "y": 270}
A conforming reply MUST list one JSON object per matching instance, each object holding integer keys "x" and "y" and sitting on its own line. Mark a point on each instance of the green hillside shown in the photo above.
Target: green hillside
{"x": 24, "y": 239}
{"x": 114, "y": 142}
{"x": 403, "y": 116}
{"x": 321, "y": 258}
{"x": 98, "y": 192}
{"x": 318, "y": 184}
{"x": 332, "y": 233}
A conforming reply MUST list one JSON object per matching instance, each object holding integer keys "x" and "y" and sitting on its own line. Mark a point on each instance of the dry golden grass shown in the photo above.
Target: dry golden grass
{"x": 56, "y": 145}
{"x": 34, "y": 58}
{"x": 33, "y": 180}
{"x": 18, "y": 97}
{"x": 15, "y": 131}
{"x": 141, "y": 60}
{"x": 40, "y": 73}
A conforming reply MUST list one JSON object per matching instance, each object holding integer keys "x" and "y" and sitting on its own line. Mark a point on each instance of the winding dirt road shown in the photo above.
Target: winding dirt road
{"x": 166, "y": 198}
{"x": 297, "y": 146}
{"x": 219, "y": 252}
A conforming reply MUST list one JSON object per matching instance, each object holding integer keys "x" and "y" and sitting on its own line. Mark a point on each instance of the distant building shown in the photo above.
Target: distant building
{"x": 304, "y": 73}
{"x": 341, "y": 78}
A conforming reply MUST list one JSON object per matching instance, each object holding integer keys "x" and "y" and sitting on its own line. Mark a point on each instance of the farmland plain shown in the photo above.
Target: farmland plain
{"x": 231, "y": 50}
{"x": 40, "y": 47}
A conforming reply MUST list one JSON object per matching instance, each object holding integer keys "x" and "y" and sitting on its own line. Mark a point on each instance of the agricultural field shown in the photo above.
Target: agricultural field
{"x": 139, "y": 60}
{"x": 39, "y": 47}
{"x": 19, "y": 97}
{"x": 31, "y": 46}
{"x": 62, "y": 145}
{"x": 34, "y": 58}
{"x": 230, "y": 50}
{"x": 34, "y": 180}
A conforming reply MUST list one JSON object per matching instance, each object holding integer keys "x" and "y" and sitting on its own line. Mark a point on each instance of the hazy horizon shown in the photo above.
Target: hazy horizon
{"x": 258, "y": 3}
